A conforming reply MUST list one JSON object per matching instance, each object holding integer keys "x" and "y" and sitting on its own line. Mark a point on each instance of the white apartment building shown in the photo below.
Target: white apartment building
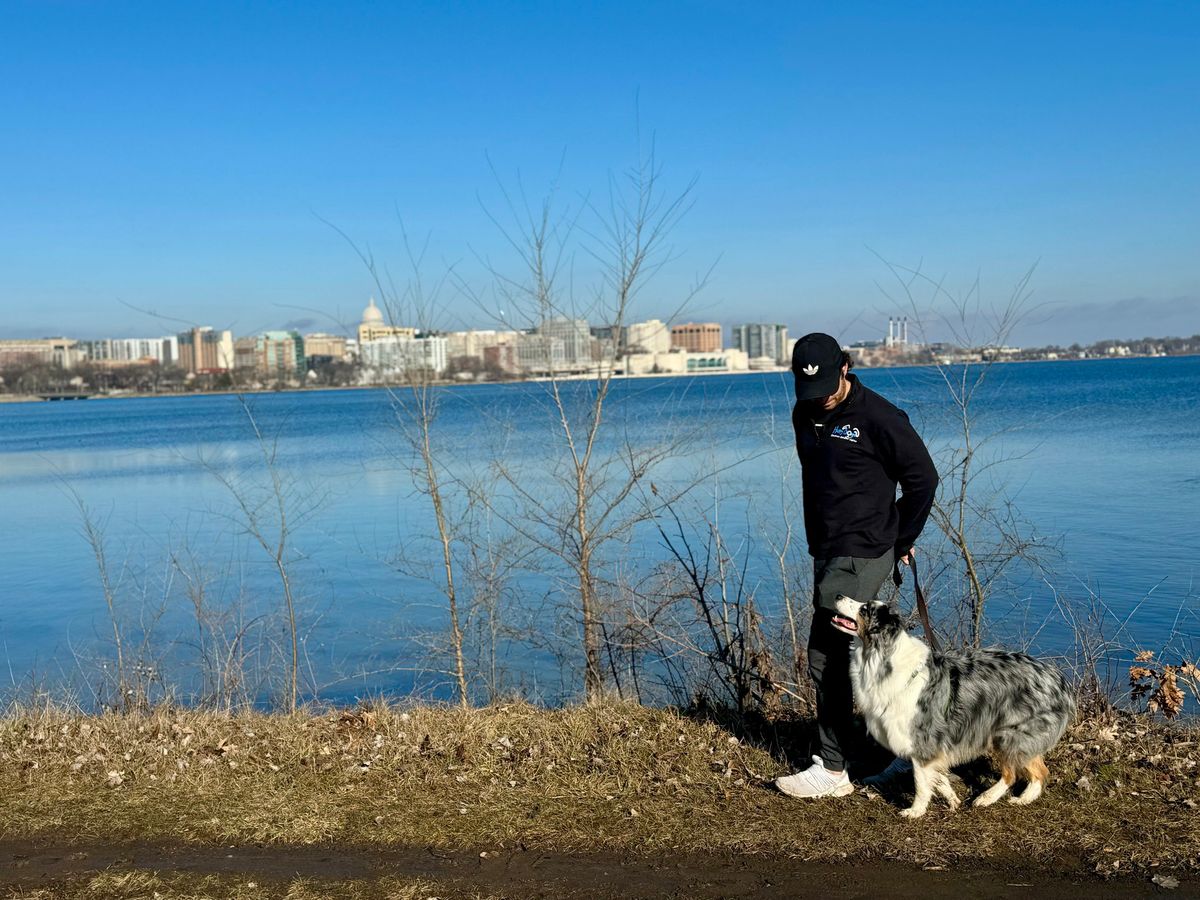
{"x": 558, "y": 345}
{"x": 162, "y": 350}
{"x": 541, "y": 354}
{"x": 396, "y": 356}
{"x": 653, "y": 336}
{"x": 473, "y": 343}
{"x": 575, "y": 337}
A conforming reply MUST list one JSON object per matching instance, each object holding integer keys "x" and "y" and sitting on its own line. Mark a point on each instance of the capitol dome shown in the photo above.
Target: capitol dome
{"x": 371, "y": 315}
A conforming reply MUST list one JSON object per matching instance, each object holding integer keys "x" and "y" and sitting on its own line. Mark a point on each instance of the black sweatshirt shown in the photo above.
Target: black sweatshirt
{"x": 851, "y": 460}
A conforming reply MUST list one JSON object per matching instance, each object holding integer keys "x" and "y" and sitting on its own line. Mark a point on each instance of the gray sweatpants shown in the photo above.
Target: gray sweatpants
{"x": 829, "y": 649}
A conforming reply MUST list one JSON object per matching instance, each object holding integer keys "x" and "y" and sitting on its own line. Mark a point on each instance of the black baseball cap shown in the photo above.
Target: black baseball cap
{"x": 817, "y": 365}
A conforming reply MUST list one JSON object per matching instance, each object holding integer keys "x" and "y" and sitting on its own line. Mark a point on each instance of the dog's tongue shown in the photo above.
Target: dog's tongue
{"x": 844, "y": 622}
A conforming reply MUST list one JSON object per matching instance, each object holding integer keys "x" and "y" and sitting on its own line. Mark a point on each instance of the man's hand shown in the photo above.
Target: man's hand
{"x": 907, "y": 558}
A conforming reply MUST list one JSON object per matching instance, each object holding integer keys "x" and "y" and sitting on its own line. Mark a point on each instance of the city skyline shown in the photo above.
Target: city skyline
{"x": 190, "y": 157}
{"x": 204, "y": 359}
{"x": 869, "y": 326}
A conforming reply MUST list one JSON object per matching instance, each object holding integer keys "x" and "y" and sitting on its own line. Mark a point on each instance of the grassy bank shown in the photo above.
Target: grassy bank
{"x": 1122, "y": 798}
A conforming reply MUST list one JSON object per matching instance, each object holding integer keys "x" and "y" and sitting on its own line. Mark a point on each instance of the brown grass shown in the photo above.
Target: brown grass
{"x": 1122, "y": 797}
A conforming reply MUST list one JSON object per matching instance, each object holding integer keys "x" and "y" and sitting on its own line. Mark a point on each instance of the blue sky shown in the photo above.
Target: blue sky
{"x": 180, "y": 157}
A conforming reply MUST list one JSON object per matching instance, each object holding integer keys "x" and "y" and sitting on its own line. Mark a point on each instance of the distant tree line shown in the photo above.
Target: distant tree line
{"x": 32, "y": 378}
{"x": 36, "y": 377}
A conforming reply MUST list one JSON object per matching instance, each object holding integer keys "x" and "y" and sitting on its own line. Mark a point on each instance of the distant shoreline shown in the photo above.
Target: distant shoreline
{"x": 778, "y": 370}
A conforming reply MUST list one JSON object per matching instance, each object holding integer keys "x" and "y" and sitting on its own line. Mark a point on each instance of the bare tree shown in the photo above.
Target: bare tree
{"x": 494, "y": 558}
{"x": 696, "y": 618}
{"x": 415, "y": 409}
{"x": 92, "y": 530}
{"x": 270, "y": 515}
{"x": 135, "y": 601}
{"x": 983, "y": 528}
{"x": 585, "y": 499}
{"x": 226, "y": 642}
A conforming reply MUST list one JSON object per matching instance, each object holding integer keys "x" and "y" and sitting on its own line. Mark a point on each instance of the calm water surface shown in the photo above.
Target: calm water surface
{"x": 1104, "y": 455}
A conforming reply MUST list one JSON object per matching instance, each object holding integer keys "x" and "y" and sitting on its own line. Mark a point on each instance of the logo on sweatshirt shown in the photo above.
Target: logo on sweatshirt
{"x": 810, "y": 370}
{"x": 846, "y": 433}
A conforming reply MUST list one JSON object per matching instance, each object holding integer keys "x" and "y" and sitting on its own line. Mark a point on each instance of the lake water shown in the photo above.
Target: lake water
{"x": 1103, "y": 456}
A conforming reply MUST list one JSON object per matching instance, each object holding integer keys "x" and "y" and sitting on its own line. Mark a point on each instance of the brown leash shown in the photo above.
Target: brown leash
{"x": 922, "y": 606}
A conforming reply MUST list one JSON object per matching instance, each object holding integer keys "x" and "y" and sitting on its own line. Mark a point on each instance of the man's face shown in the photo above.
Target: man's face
{"x": 828, "y": 404}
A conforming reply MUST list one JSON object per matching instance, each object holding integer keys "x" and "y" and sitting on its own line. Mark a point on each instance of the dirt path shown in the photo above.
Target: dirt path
{"x": 526, "y": 873}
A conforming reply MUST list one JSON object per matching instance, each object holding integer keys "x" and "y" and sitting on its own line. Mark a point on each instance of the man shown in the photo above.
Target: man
{"x": 855, "y": 448}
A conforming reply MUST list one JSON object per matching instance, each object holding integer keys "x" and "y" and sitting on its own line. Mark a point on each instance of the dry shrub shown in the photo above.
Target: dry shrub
{"x": 1159, "y": 684}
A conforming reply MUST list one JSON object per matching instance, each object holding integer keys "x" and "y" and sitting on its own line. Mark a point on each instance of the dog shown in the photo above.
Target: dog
{"x": 943, "y": 709}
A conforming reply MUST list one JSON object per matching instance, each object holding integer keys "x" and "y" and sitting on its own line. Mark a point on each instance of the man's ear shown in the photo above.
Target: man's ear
{"x": 845, "y": 369}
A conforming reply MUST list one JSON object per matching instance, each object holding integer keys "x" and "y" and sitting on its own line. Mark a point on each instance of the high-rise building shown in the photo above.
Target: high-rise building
{"x": 541, "y": 354}
{"x": 761, "y": 341}
{"x": 474, "y": 343}
{"x": 503, "y": 358}
{"x": 324, "y": 346}
{"x": 652, "y": 336}
{"x": 697, "y": 337}
{"x": 245, "y": 353}
{"x": 612, "y": 337}
{"x": 128, "y": 351}
{"x": 558, "y": 344}
{"x": 397, "y": 356}
{"x": 575, "y": 336}
{"x": 279, "y": 354}
{"x": 203, "y": 350}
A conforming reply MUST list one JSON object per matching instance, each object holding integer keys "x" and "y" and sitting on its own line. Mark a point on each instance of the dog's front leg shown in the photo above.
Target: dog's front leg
{"x": 924, "y": 775}
{"x": 943, "y": 786}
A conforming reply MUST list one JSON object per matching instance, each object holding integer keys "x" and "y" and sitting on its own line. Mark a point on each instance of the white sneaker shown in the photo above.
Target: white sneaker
{"x": 815, "y": 781}
{"x": 897, "y": 768}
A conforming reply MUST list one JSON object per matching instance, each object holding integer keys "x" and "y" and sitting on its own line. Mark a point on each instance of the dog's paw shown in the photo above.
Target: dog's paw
{"x": 912, "y": 813}
{"x": 953, "y": 804}
{"x": 1027, "y": 796}
{"x": 984, "y": 800}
